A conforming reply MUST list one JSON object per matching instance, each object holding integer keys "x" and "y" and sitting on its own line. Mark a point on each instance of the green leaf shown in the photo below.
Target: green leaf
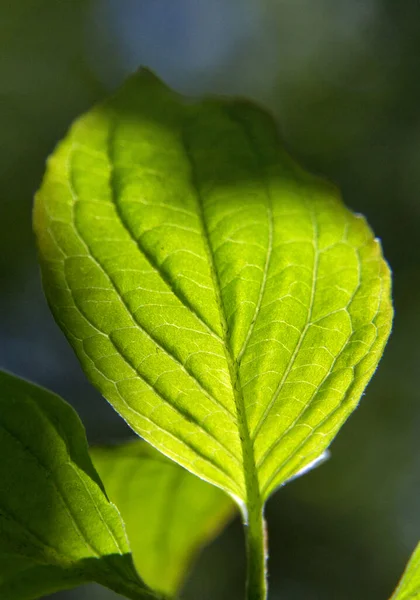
{"x": 169, "y": 513}
{"x": 223, "y": 300}
{"x": 57, "y": 527}
{"x": 409, "y": 586}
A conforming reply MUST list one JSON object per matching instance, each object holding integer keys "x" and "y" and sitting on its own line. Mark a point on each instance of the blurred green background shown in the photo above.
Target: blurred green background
{"x": 343, "y": 78}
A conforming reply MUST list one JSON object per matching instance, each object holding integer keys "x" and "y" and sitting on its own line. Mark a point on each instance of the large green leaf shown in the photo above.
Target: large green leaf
{"x": 57, "y": 527}
{"x": 409, "y": 586}
{"x": 169, "y": 514}
{"x": 223, "y": 300}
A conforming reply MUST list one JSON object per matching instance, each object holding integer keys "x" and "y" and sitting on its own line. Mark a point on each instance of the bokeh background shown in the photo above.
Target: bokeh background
{"x": 343, "y": 79}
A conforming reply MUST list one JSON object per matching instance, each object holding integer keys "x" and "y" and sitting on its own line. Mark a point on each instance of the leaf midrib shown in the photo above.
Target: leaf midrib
{"x": 252, "y": 489}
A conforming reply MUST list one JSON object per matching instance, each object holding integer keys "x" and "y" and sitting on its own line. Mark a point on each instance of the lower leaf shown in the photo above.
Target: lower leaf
{"x": 57, "y": 527}
{"x": 168, "y": 512}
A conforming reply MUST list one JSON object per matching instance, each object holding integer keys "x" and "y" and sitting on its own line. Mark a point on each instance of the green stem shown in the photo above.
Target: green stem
{"x": 256, "y": 545}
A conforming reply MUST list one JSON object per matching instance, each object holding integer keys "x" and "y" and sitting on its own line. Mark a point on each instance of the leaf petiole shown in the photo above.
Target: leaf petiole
{"x": 257, "y": 552}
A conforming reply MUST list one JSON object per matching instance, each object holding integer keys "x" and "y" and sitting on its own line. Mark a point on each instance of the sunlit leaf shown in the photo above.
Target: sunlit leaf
{"x": 57, "y": 527}
{"x": 223, "y": 300}
{"x": 169, "y": 514}
{"x": 409, "y": 586}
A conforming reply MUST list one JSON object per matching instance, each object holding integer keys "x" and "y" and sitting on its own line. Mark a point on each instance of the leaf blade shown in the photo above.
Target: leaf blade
{"x": 224, "y": 301}
{"x": 169, "y": 514}
{"x": 57, "y": 528}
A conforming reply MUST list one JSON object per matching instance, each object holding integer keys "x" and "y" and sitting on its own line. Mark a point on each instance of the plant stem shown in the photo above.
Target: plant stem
{"x": 256, "y": 545}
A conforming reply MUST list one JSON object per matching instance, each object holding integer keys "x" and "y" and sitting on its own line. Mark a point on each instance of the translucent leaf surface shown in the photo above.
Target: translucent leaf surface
{"x": 169, "y": 514}
{"x": 409, "y": 586}
{"x": 57, "y": 527}
{"x": 224, "y": 301}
